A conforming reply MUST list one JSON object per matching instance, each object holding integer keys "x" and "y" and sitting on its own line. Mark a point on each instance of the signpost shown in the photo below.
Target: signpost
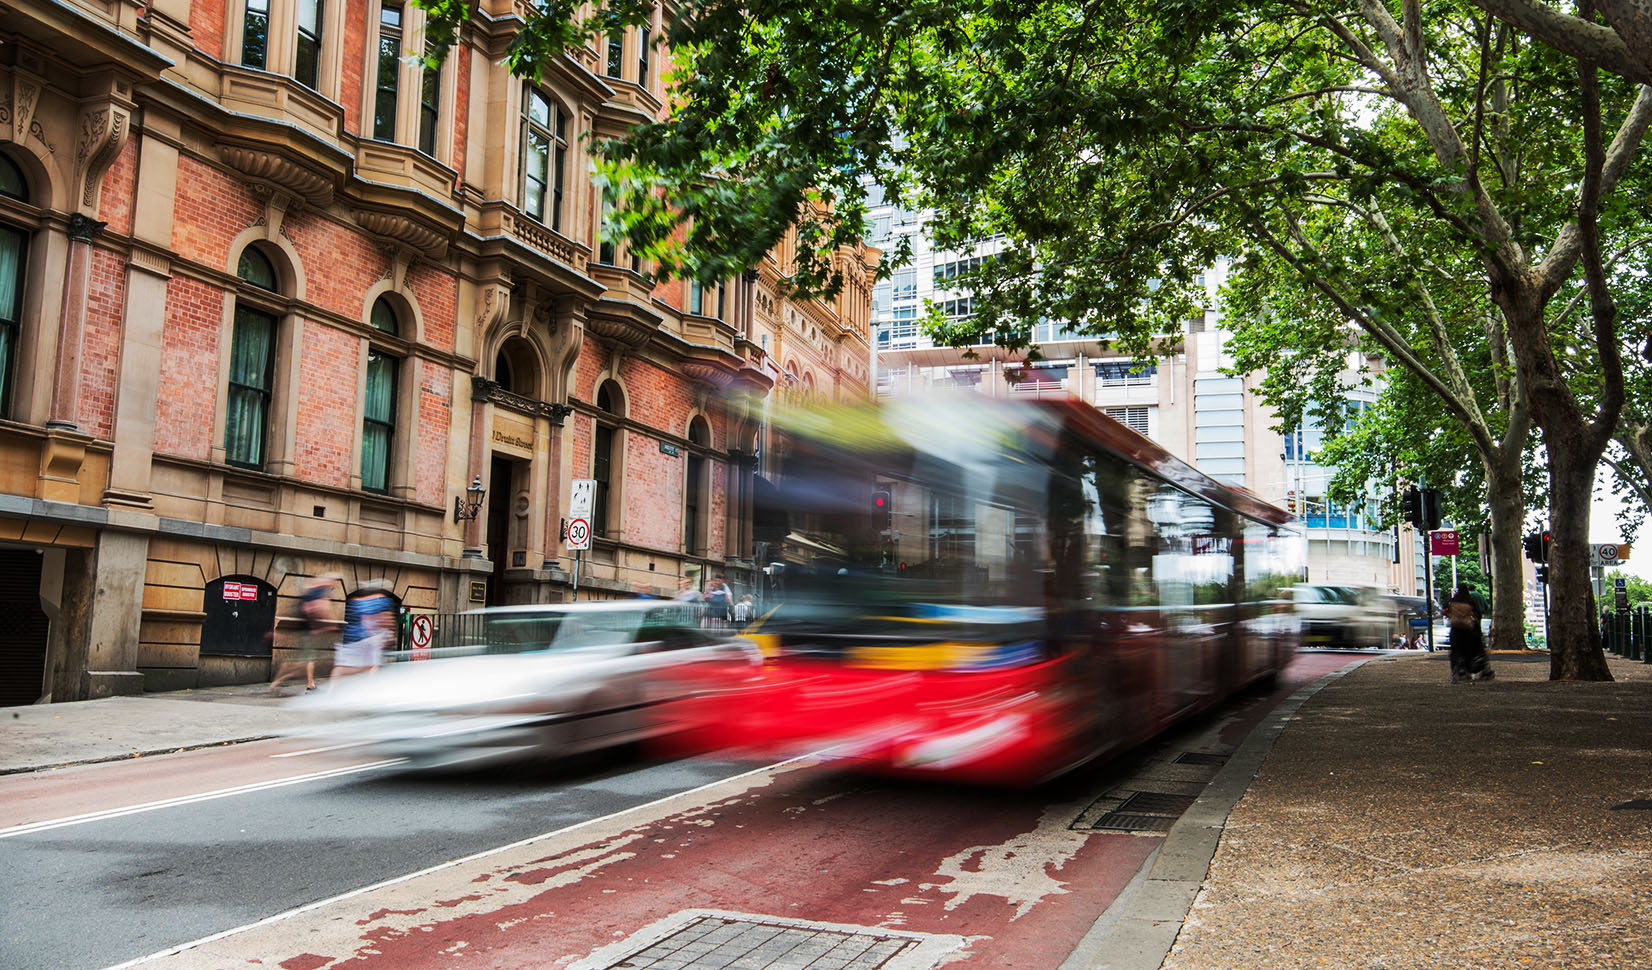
{"x": 1445, "y": 542}
{"x": 1608, "y": 553}
{"x": 1620, "y": 593}
{"x": 581, "y": 503}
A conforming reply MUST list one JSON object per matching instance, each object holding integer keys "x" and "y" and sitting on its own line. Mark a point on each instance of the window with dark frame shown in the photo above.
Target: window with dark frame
{"x": 389, "y": 66}
{"x": 251, "y": 368}
{"x": 255, "y": 34}
{"x": 616, "y": 54}
{"x": 14, "y": 250}
{"x": 643, "y": 39}
{"x": 544, "y": 157}
{"x": 306, "y": 65}
{"x": 602, "y": 464}
{"x": 378, "y": 420}
{"x": 430, "y": 102}
{"x": 694, "y": 488}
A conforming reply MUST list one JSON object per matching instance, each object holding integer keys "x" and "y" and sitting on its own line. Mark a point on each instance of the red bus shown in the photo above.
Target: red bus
{"x": 998, "y": 592}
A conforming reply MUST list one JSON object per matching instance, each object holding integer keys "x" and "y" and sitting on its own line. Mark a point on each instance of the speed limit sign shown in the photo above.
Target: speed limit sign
{"x": 579, "y": 534}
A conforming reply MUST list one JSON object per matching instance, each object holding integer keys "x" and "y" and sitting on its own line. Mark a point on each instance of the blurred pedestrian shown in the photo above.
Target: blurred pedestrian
{"x": 369, "y": 627}
{"x": 1468, "y": 648}
{"x": 316, "y": 629}
{"x": 719, "y": 602}
{"x": 742, "y": 611}
{"x": 691, "y": 599}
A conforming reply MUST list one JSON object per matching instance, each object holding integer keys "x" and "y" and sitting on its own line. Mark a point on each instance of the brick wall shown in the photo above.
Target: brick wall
{"x": 437, "y": 291}
{"x": 189, "y": 368}
{"x": 211, "y": 209}
{"x": 461, "y": 59}
{"x": 206, "y": 25}
{"x": 327, "y": 415}
{"x": 352, "y": 64}
{"x": 100, "y": 351}
{"x": 434, "y": 415}
{"x": 339, "y": 265}
{"x": 115, "y": 197}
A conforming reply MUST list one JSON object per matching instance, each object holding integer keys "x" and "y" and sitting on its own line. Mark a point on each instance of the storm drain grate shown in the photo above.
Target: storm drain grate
{"x": 722, "y": 943}
{"x": 1200, "y": 758}
{"x": 1149, "y": 812}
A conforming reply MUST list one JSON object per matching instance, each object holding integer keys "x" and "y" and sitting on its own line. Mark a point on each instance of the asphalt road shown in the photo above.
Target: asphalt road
{"x": 102, "y": 892}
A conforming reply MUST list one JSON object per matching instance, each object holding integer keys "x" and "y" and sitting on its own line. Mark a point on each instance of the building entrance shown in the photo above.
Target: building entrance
{"x": 23, "y": 629}
{"x": 502, "y": 485}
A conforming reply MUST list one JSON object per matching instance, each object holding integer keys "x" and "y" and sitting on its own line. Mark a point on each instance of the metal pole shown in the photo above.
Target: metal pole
{"x": 1428, "y": 579}
{"x": 574, "y": 597}
{"x": 1545, "y": 614}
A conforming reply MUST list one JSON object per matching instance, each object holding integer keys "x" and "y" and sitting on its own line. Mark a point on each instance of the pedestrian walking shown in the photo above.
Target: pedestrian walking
{"x": 315, "y": 631}
{"x": 1469, "y": 660}
{"x": 719, "y": 603}
{"x": 742, "y": 612}
{"x": 369, "y": 627}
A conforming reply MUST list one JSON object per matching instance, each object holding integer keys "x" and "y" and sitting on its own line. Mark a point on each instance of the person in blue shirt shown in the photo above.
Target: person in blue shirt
{"x": 369, "y": 627}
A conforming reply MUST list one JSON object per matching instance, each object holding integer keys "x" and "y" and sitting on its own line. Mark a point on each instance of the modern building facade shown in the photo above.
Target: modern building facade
{"x": 273, "y": 294}
{"x": 1184, "y": 401}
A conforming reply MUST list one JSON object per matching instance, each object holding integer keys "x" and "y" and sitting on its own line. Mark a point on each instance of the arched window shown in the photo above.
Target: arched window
{"x": 544, "y": 157}
{"x": 695, "y": 489}
{"x": 378, "y": 408}
{"x": 515, "y": 368}
{"x": 14, "y": 247}
{"x": 251, "y": 365}
{"x": 611, "y": 401}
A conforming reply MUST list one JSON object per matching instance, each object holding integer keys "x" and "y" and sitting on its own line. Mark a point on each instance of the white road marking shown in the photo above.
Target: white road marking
{"x": 47, "y": 825}
{"x": 438, "y": 867}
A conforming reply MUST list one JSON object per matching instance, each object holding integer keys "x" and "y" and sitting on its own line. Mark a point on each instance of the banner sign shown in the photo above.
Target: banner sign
{"x": 1444, "y": 542}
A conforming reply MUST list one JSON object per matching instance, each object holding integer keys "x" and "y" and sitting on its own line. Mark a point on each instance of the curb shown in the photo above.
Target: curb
{"x": 1139, "y": 929}
{"x": 129, "y": 755}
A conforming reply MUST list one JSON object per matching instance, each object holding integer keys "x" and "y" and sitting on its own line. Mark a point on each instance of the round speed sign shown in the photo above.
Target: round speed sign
{"x": 579, "y": 533}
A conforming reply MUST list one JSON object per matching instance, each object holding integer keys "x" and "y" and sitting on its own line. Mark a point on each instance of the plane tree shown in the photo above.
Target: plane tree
{"x": 1119, "y": 148}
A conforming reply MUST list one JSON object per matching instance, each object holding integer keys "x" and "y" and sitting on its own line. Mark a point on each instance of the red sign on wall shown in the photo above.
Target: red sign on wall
{"x": 240, "y": 591}
{"x": 1444, "y": 542}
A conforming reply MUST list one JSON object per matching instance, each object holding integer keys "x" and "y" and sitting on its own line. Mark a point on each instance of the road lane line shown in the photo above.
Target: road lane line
{"x": 438, "y": 867}
{"x": 47, "y": 825}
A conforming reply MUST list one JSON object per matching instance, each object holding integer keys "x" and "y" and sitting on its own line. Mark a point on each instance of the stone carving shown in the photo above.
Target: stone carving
{"x": 284, "y": 172}
{"x": 483, "y": 389}
{"x": 25, "y": 95}
{"x": 404, "y": 230}
{"x": 102, "y": 135}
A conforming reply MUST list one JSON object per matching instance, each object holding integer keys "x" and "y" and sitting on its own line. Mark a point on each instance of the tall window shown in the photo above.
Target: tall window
{"x": 251, "y": 369}
{"x": 13, "y": 250}
{"x": 616, "y": 53}
{"x": 430, "y": 95}
{"x": 602, "y": 459}
{"x": 544, "y": 151}
{"x": 306, "y": 64}
{"x": 378, "y": 417}
{"x": 694, "y": 489}
{"x": 390, "y": 53}
{"x": 255, "y": 33}
{"x": 642, "y": 56}
{"x": 605, "y": 249}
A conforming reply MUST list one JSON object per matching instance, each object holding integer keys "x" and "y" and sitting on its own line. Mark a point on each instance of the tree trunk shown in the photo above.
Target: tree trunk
{"x": 1574, "y": 645}
{"x": 1508, "y": 514}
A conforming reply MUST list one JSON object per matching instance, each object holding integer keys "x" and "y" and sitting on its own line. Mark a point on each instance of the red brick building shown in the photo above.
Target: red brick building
{"x": 272, "y": 294}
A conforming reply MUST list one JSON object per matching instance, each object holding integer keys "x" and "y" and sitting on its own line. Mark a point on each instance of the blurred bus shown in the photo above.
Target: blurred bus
{"x": 999, "y": 592}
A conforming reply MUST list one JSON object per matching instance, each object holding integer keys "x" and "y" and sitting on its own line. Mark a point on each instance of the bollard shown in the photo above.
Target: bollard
{"x": 1645, "y": 654}
{"x": 1635, "y": 632}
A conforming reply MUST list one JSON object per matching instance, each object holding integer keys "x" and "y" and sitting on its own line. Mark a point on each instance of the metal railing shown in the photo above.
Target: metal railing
{"x": 1629, "y": 634}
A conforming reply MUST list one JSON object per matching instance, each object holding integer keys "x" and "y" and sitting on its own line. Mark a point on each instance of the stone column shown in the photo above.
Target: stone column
{"x": 71, "y": 324}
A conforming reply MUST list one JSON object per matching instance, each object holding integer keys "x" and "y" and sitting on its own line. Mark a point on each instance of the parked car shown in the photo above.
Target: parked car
{"x": 1348, "y": 617}
{"x": 551, "y": 680}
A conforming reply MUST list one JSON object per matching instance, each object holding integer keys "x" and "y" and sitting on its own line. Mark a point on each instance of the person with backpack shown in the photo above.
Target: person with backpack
{"x": 1469, "y": 660}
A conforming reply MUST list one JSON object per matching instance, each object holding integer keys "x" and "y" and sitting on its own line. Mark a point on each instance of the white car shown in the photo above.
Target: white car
{"x": 550, "y": 681}
{"x": 1350, "y": 617}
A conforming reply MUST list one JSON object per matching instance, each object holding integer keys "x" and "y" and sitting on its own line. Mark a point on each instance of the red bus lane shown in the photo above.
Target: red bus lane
{"x": 1002, "y": 878}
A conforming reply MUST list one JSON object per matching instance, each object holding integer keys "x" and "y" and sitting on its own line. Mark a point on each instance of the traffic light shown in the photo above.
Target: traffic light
{"x": 1542, "y": 572}
{"x": 883, "y": 504}
{"x": 1534, "y": 547}
{"x": 1422, "y": 508}
{"x": 1545, "y": 545}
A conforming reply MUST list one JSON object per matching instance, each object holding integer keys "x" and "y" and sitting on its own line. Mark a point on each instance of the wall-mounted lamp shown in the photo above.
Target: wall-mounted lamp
{"x": 466, "y": 506}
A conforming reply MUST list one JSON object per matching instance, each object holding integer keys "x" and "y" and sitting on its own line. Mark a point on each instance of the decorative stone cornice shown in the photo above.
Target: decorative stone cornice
{"x": 621, "y": 331}
{"x": 281, "y": 171}
{"x": 483, "y": 389}
{"x": 408, "y": 232}
{"x": 709, "y": 373}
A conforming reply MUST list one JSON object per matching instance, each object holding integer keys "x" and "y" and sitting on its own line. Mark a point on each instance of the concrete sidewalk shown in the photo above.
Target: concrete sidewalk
{"x": 1404, "y": 821}
{"x": 112, "y": 728}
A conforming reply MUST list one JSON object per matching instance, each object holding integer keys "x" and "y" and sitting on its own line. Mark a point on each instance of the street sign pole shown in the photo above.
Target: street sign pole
{"x": 581, "y": 502}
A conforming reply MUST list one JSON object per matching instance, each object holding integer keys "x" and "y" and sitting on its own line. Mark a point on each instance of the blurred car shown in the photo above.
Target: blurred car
{"x": 551, "y": 681}
{"x": 1348, "y": 617}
